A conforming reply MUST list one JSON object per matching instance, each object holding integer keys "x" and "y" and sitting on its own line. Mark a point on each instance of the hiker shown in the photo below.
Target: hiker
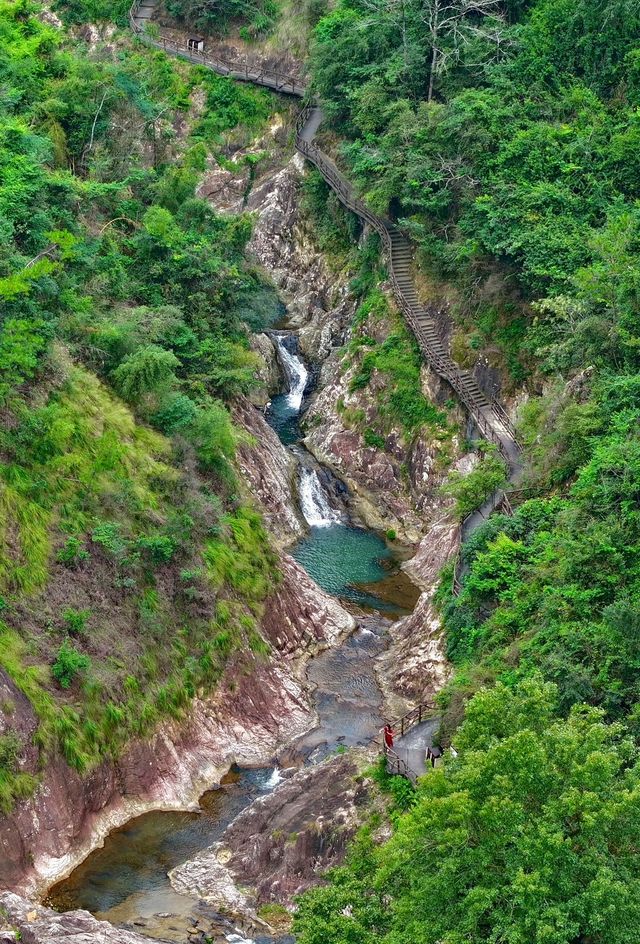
{"x": 388, "y": 737}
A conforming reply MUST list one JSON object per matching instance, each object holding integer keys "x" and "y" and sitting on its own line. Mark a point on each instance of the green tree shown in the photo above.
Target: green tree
{"x": 148, "y": 371}
{"x": 506, "y": 843}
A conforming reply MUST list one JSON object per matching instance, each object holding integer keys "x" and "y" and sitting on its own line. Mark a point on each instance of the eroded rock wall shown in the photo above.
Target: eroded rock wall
{"x": 414, "y": 668}
{"x": 257, "y": 709}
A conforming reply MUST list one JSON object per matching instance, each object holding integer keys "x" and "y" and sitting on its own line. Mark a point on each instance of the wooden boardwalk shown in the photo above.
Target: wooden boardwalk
{"x": 488, "y": 415}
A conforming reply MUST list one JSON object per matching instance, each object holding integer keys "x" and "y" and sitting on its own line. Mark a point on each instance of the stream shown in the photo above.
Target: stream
{"x": 126, "y": 881}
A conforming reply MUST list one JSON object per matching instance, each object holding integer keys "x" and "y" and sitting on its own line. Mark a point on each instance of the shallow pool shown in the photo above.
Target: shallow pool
{"x": 341, "y": 559}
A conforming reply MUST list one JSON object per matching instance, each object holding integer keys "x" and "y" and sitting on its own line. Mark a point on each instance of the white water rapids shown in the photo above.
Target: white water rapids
{"x": 314, "y": 503}
{"x": 296, "y": 373}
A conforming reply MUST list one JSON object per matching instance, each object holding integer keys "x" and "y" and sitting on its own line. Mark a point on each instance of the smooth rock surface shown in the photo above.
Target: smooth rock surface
{"x": 38, "y": 925}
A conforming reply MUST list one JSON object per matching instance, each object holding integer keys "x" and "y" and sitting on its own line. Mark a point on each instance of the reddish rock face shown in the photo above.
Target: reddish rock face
{"x": 415, "y": 667}
{"x": 257, "y": 709}
{"x": 268, "y": 472}
{"x": 280, "y": 845}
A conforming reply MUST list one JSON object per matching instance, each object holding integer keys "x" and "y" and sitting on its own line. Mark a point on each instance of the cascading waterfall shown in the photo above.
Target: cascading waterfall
{"x": 314, "y": 503}
{"x": 295, "y": 371}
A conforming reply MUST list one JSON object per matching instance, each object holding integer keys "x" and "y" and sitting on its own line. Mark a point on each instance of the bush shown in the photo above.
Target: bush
{"x": 373, "y": 439}
{"x": 472, "y": 490}
{"x": 69, "y": 663}
{"x": 75, "y": 621}
{"x": 72, "y": 553}
{"x": 158, "y": 549}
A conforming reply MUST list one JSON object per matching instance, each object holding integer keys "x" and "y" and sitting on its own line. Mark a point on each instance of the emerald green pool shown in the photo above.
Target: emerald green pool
{"x": 341, "y": 558}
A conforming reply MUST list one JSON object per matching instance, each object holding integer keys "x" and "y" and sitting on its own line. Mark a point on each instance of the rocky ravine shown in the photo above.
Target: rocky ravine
{"x": 258, "y": 709}
{"x": 268, "y": 706}
{"x": 395, "y": 487}
{"x": 277, "y": 847}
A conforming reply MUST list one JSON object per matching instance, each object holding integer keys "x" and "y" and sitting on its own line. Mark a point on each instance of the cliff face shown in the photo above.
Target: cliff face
{"x": 268, "y": 474}
{"x": 258, "y": 708}
{"x": 414, "y": 667}
{"x": 394, "y": 485}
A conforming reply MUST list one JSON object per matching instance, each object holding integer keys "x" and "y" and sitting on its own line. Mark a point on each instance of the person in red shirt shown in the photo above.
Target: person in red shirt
{"x": 388, "y": 737}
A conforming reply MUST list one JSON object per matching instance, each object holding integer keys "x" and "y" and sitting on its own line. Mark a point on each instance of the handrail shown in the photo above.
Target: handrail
{"x": 489, "y": 415}
{"x": 270, "y": 78}
{"x": 398, "y": 767}
{"x": 395, "y": 764}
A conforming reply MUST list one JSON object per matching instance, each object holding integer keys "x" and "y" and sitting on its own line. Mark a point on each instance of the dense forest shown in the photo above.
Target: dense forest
{"x": 503, "y": 137}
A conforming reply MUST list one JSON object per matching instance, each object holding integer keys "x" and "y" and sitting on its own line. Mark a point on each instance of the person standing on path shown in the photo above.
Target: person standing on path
{"x": 388, "y": 737}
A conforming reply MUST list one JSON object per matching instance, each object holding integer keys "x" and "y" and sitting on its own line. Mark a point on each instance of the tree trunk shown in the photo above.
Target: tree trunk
{"x": 432, "y": 73}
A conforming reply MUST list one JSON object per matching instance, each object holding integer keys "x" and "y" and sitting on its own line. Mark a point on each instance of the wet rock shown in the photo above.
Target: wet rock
{"x": 268, "y": 471}
{"x": 302, "y": 615}
{"x": 269, "y": 374}
{"x": 414, "y": 668}
{"x": 257, "y": 709}
{"x": 279, "y": 846}
{"x": 38, "y": 925}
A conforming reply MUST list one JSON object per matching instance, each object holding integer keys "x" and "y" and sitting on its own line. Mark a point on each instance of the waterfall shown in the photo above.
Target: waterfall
{"x": 314, "y": 503}
{"x": 274, "y": 779}
{"x": 295, "y": 371}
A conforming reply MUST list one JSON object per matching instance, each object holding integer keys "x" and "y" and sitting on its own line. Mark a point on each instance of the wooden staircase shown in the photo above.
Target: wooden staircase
{"x": 488, "y": 415}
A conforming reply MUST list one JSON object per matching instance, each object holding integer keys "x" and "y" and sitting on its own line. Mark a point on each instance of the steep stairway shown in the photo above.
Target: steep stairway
{"x": 487, "y": 414}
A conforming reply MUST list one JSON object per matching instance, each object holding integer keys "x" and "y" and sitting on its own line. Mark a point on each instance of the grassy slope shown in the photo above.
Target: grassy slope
{"x": 131, "y": 570}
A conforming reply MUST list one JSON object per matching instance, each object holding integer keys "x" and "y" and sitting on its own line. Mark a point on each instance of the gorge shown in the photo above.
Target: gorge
{"x": 125, "y": 881}
{"x": 318, "y": 410}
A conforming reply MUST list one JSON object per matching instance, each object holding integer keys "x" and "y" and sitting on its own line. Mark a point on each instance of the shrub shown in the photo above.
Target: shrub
{"x": 107, "y": 535}
{"x": 72, "y": 553}
{"x": 69, "y": 663}
{"x": 374, "y": 439}
{"x": 75, "y": 621}
{"x": 472, "y": 490}
{"x": 159, "y": 549}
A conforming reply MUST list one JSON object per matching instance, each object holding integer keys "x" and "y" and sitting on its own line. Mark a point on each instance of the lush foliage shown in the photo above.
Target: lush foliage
{"x": 471, "y": 490}
{"x": 525, "y": 153}
{"x": 215, "y": 15}
{"x": 503, "y": 137}
{"x": 124, "y": 301}
{"x": 529, "y": 837}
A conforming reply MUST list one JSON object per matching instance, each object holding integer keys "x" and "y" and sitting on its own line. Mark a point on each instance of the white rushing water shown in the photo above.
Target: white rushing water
{"x": 274, "y": 779}
{"x": 314, "y": 503}
{"x": 296, "y": 373}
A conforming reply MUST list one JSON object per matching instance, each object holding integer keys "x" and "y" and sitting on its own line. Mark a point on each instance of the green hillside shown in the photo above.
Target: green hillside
{"x": 131, "y": 569}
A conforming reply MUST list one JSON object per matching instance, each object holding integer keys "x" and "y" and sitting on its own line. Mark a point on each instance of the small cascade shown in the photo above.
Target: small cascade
{"x": 295, "y": 372}
{"x": 314, "y": 503}
{"x": 274, "y": 779}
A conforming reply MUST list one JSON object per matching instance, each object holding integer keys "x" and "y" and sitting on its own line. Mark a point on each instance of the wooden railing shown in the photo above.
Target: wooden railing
{"x": 397, "y": 767}
{"x": 395, "y": 764}
{"x": 436, "y": 354}
{"x": 269, "y": 78}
